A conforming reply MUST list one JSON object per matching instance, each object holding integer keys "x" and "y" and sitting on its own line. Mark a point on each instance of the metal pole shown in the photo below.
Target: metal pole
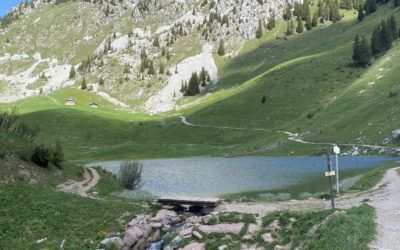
{"x": 328, "y": 157}
{"x": 337, "y": 175}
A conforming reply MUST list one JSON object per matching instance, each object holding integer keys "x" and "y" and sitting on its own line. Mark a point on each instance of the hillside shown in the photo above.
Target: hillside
{"x": 305, "y": 84}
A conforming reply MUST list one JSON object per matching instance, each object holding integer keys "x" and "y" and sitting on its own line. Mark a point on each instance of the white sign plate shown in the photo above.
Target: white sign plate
{"x": 336, "y": 149}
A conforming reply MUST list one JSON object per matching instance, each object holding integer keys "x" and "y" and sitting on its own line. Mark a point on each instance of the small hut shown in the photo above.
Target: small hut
{"x": 70, "y": 102}
{"x": 94, "y": 105}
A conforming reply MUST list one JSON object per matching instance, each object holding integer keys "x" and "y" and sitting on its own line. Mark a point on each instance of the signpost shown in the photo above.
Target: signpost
{"x": 329, "y": 174}
{"x": 336, "y": 150}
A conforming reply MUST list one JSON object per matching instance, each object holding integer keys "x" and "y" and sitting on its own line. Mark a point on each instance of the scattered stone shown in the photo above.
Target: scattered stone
{"x": 267, "y": 237}
{"x": 133, "y": 223}
{"x": 41, "y": 240}
{"x": 395, "y": 133}
{"x": 166, "y": 221}
{"x": 274, "y": 226}
{"x": 253, "y": 229}
{"x": 174, "y": 243}
{"x": 132, "y": 235}
{"x": 223, "y": 247}
{"x": 206, "y": 219}
{"x": 176, "y": 219}
{"x": 156, "y": 225}
{"x": 292, "y": 220}
{"x": 62, "y": 243}
{"x": 115, "y": 240}
{"x": 197, "y": 235}
{"x": 186, "y": 233}
{"x": 227, "y": 237}
{"x": 278, "y": 247}
{"x": 161, "y": 215}
{"x": 222, "y": 228}
{"x": 193, "y": 219}
{"x": 195, "y": 246}
{"x": 95, "y": 193}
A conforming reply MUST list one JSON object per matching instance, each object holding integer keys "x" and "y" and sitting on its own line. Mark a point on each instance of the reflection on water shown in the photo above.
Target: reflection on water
{"x": 213, "y": 176}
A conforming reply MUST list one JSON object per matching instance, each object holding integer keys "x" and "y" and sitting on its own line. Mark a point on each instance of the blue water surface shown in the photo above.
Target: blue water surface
{"x": 210, "y": 176}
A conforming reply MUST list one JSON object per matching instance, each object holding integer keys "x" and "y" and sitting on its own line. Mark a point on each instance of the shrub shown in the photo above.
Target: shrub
{"x": 58, "y": 154}
{"x": 42, "y": 156}
{"x": 130, "y": 174}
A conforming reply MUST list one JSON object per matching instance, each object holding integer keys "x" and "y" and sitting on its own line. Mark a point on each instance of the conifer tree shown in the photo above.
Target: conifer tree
{"x": 396, "y": 3}
{"x": 364, "y": 52}
{"x": 151, "y": 68}
{"x": 356, "y": 48}
{"x": 391, "y": 23}
{"x": 221, "y": 49}
{"x": 162, "y": 67}
{"x": 314, "y": 22}
{"x": 72, "y": 72}
{"x": 308, "y": 19}
{"x": 83, "y": 84}
{"x": 259, "y": 31}
{"x": 156, "y": 42}
{"x": 376, "y": 42}
{"x": 361, "y": 13}
{"x": 193, "y": 88}
{"x": 58, "y": 155}
{"x": 386, "y": 35}
{"x": 101, "y": 81}
{"x": 320, "y": 8}
{"x": 287, "y": 15}
{"x": 203, "y": 77}
{"x": 300, "y": 26}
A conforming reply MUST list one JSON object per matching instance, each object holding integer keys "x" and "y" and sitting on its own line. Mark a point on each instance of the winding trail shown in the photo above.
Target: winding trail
{"x": 81, "y": 187}
{"x": 291, "y": 136}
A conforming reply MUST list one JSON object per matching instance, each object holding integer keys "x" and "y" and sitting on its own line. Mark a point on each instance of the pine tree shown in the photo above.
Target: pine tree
{"x": 396, "y": 3}
{"x": 386, "y": 36}
{"x": 162, "y": 67}
{"x": 221, "y": 49}
{"x": 361, "y": 13}
{"x": 203, "y": 77}
{"x": 72, "y": 72}
{"x": 314, "y": 22}
{"x": 151, "y": 68}
{"x": 376, "y": 42}
{"x": 320, "y": 8}
{"x": 193, "y": 88}
{"x": 308, "y": 19}
{"x": 58, "y": 155}
{"x": 300, "y": 26}
{"x": 287, "y": 15}
{"x": 168, "y": 55}
{"x": 391, "y": 23}
{"x": 101, "y": 81}
{"x": 156, "y": 42}
{"x": 259, "y": 31}
{"x": 356, "y": 49}
{"x": 364, "y": 52}
{"x": 126, "y": 69}
{"x": 83, "y": 84}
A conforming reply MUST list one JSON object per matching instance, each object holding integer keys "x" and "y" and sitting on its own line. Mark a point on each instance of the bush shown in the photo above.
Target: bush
{"x": 42, "y": 156}
{"x": 130, "y": 174}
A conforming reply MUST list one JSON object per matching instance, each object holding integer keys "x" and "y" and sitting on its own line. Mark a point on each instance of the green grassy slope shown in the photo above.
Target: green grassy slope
{"x": 308, "y": 81}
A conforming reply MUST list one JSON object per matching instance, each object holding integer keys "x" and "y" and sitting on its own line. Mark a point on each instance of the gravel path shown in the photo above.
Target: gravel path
{"x": 387, "y": 205}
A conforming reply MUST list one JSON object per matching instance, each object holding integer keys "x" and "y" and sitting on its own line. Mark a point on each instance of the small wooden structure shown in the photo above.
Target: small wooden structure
{"x": 190, "y": 201}
{"x": 70, "y": 102}
{"x": 94, "y": 105}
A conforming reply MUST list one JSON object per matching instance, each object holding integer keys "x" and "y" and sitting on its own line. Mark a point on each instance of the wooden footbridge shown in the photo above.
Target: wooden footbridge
{"x": 190, "y": 201}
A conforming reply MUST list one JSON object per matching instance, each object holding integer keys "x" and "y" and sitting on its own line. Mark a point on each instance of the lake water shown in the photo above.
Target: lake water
{"x": 211, "y": 176}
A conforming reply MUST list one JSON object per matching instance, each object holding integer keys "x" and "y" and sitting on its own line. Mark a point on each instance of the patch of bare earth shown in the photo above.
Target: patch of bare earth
{"x": 81, "y": 187}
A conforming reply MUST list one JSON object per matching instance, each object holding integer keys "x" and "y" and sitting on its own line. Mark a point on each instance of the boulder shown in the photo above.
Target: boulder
{"x": 195, "y": 246}
{"x": 193, "y": 219}
{"x": 161, "y": 215}
{"x": 222, "y": 228}
{"x": 133, "y": 222}
{"x": 395, "y": 133}
{"x": 175, "y": 219}
{"x": 267, "y": 237}
{"x": 197, "y": 235}
{"x": 253, "y": 229}
{"x": 115, "y": 240}
{"x": 156, "y": 224}
{"x": 166, "y": 222}
{"x": 186, "y": 233}
{"x": 227, "y": 237}
{"x": 274, "y": 225}
{"x": 132, "y": 235}
{"x": 206, "y": 219}
{"x": 223, "y": 247}
{"x": 174, "y": 243}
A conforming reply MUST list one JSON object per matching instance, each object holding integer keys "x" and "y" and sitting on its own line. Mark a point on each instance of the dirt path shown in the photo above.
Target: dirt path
{"x": 291, "y": 136}
{"x": 387, "y": 205}
{"x": 81, "y": 187}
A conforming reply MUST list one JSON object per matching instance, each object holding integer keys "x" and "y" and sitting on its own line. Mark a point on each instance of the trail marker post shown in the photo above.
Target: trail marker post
{"x": 329, "y": 174}
{"x": 336, "y": 150}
